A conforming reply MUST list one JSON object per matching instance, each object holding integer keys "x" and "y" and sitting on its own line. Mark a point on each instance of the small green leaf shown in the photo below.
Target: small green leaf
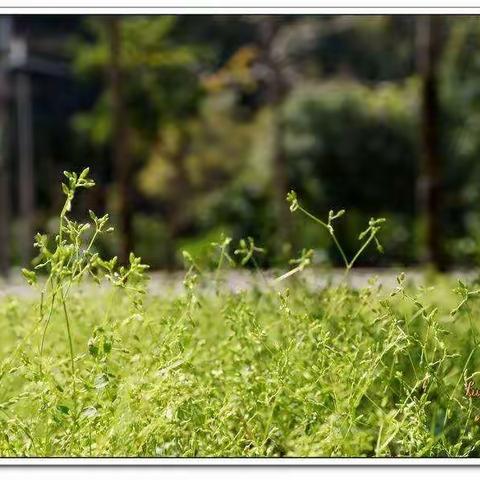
{"x": 107, "y": 345}
{"x": 84, "y": 173}
{"x": 29, "y": 276}
{"x": 63, "y": 409}
{"x": 92, "y": 347}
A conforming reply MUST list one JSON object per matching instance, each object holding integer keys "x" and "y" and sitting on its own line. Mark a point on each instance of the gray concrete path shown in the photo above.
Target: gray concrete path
{"x": 168, "y": 283}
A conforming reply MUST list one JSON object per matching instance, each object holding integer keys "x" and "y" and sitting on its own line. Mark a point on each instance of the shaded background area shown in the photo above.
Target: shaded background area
{"x": 198, "y": 125}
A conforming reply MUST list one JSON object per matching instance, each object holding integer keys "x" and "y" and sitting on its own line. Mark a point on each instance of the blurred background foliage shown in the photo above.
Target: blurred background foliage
{"x": 198, "y": 125}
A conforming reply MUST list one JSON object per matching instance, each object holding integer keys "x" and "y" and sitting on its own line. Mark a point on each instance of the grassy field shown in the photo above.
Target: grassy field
{"x": 340, "y": 372}
{"x": 282, "y": 370}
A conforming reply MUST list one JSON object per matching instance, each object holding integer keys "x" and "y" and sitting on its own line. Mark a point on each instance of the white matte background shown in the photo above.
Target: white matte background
{"x": 235, "y": 473}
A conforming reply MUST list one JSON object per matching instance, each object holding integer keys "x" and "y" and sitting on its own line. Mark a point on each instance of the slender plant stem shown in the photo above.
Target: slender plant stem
{"x": 47, "y": 322}
{"x": 70, "y": 343}
{"x": 362, "y": 248}
{"x": 330, "y": 231}
{"x": 289, "y": 273}
{"x": 219, "y": 266}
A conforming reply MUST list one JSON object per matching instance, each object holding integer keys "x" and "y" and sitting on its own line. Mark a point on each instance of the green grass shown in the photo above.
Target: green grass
{"x": 277, "y": 371}
{"x": 291, "y": 373}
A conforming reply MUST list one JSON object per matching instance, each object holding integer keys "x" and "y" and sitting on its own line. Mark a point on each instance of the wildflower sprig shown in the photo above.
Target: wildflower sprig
{"x": 74, "y": 182}
{"x": 246, "y": 250}
{"x": 191, "y": 276}
{"x": 222, "y": 247}
{"x": 466, "y": 293}
{"x": 368, "y": 235}
{"x": 72, "y": 258}
{"x": 301, "y": 263}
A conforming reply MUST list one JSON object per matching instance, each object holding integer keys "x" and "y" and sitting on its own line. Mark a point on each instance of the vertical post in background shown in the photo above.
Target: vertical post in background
{"x": 430, "y": 178}
{"x": 5, "y": 34}
{"x": 121, "y": 154}
{"x": 26, "y": 186}
{"x": 276, "y": 91}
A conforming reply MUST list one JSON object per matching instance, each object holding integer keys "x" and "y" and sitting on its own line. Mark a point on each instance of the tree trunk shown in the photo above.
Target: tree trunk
{"x": 276, "y": 90}
{"x": 430, "y": 178}
{"x": 5, "y": 26}
{"x": 121, "y": 154}
{"x": 4, "y": 187}
{"x": 26, "y": 166}
{"x": 280, "y": 182}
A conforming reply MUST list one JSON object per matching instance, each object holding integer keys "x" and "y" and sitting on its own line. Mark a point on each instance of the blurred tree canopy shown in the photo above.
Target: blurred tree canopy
{"x": 225, "y": 114}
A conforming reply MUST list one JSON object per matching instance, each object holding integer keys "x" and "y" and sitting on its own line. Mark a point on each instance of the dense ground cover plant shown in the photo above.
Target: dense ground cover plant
{"x": 277, "y": 370}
